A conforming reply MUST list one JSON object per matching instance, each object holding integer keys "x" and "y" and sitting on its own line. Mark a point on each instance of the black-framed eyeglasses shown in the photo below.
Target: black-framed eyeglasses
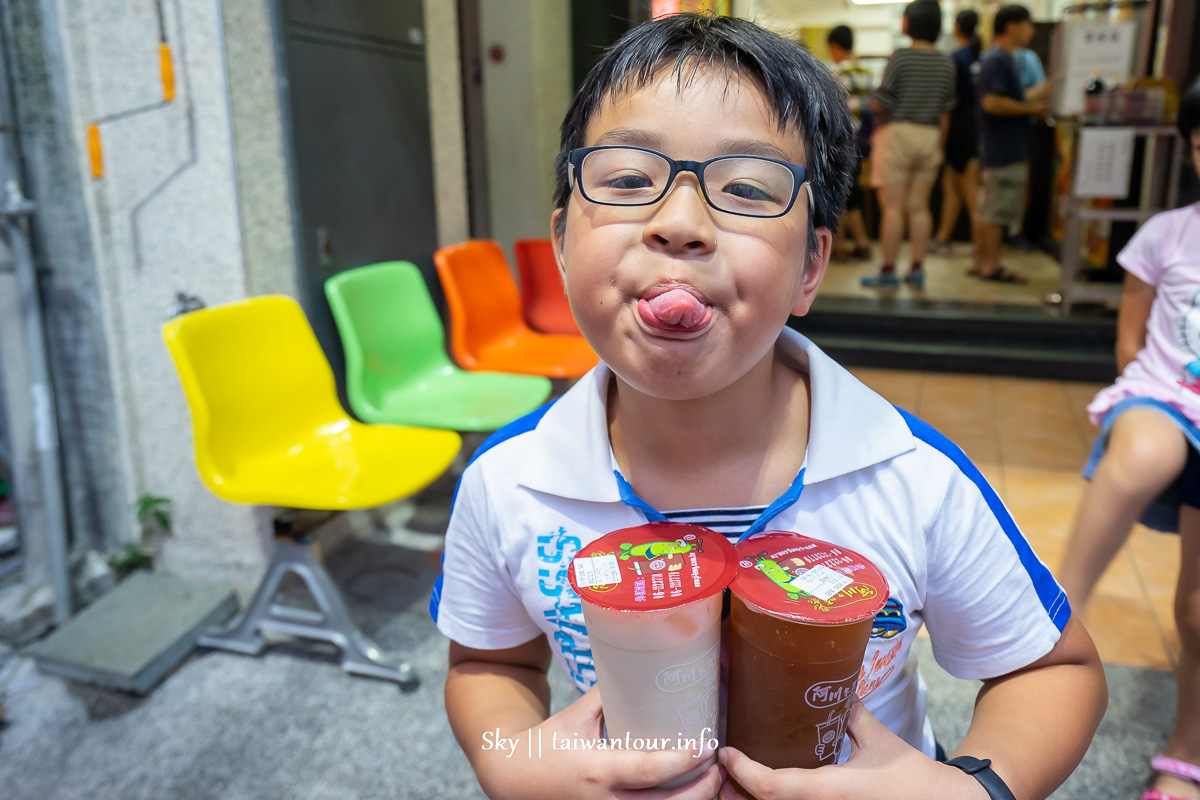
{"x": 745, "y": 185}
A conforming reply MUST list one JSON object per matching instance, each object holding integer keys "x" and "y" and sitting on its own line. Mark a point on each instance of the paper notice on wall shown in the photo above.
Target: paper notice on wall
{"x": 1104, "y": 162}
{"x": 1104, "y": 50}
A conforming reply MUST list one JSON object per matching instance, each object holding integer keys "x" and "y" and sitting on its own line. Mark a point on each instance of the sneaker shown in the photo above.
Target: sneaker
{"x": 915, "y": 279}
{"x": 884, "y": 280}
{"x": 940, "y": 248}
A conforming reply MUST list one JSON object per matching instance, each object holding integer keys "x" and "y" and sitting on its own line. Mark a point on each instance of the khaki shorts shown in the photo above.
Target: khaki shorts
{"x": 1002, "y": 194}
{"x": 905, "y": 153}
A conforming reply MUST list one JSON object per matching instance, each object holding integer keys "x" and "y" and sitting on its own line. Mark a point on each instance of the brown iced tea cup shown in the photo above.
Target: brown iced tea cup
{"x": 801, "y": 615}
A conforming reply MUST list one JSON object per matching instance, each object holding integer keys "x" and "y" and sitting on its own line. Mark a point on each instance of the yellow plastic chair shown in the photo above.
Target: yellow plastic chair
{"x": 269, "y": 430}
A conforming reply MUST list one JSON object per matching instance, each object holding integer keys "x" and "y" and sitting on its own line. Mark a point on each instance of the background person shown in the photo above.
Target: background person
{"x": 915, "y": 95}
{"x": 1006, "y": 138}
{"x": 960, "y": 173}
{"x": 856, "y": 80}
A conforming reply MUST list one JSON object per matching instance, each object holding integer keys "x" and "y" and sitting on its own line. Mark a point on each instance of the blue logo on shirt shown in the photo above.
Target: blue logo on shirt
{"x": 889, "y": 621}
{"x": 556, "y": 551}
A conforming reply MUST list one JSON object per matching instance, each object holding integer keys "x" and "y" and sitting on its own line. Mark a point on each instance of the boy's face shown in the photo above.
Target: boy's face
{"x": 749, "y": 272}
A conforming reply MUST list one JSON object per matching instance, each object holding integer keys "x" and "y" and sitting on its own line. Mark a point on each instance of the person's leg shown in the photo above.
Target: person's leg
{"x": 1146, "y": 453}
{"x": 894, "y": 197}
{"x": 952, "y": 202}
{"x": 920, "y": 217}
{"x": 856, "y": 226}
{"x": 1000, "y": 192}
{"x": 839, "y": 238}
{"x": 968, "y": 184}
{"x": 1184, "y": 744}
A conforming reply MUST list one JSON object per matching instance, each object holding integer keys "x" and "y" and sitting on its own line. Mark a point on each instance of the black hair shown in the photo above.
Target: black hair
{"x": 843, "y": 37}
{"x": 924, "y": 19}
{"x": 1009, "y": 15}
{"x": 967, "y": 22}
{"x": 1189, "y": 111}
{"x": 801, "y": 92}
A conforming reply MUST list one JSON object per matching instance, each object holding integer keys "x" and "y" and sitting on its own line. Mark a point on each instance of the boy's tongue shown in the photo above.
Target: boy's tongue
{"x": 676, "y": 309}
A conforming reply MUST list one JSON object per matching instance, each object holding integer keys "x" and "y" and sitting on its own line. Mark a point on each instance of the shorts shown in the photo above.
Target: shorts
{"x": 1002, "y": 194}
{"x": 960, "y": 150}
{"x": 1163, "y": 512}
{"x": 905, "y": 153}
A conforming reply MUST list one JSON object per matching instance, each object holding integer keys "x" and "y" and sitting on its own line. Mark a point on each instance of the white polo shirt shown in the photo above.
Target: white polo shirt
{"x": 875, "y": 479}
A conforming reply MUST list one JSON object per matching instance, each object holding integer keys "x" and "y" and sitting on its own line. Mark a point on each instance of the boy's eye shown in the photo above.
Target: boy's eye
{"x": 628, "y": 181}
{"x": 748, "y": 191}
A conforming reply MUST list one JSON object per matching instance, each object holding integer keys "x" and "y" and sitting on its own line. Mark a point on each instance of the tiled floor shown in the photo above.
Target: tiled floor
{"x": 946, "y": 278}
{"x": 1030, "y": 438}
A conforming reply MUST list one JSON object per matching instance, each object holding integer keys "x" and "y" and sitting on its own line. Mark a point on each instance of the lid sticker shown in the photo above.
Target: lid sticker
{"x": 597, "y": 571}
{"x": 820, "y": 581}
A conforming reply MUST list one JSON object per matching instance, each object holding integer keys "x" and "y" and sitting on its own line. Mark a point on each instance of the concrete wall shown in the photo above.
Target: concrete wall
{"x": 525, "y": 97}
{"x": 163, "y": 219}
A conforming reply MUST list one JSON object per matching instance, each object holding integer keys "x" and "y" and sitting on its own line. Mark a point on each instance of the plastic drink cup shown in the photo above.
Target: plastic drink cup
{"x": 652, "y": 604}
{"x": 801, "y": 615}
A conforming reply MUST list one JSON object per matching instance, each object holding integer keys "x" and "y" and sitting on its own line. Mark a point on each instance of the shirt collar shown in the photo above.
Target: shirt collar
{"x": 850, "y": 428}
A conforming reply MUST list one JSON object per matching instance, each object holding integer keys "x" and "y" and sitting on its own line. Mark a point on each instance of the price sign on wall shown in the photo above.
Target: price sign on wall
{"x": 1104, "y": 162}
{"x": 1106, "y": 50}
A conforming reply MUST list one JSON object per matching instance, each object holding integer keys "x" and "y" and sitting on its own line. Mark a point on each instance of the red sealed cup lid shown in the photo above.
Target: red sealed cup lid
{"x": 808, "y": 580}
{"x": 653, "y": 566}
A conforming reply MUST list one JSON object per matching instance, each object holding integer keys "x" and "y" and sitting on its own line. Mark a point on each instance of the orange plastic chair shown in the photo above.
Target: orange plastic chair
{"x": 543, "y": 301}
{"x": 487, "y": 331}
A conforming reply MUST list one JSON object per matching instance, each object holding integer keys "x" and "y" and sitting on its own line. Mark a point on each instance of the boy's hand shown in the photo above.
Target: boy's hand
{"x": 521, "y": 772}
{"x": 881, "y": 764}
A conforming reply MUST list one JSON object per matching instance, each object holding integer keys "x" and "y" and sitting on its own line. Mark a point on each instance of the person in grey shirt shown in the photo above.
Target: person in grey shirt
{"x": 915, "y": 96}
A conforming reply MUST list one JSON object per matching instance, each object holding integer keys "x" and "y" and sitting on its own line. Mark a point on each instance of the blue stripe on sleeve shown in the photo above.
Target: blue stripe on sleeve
{"x": 1053, "y": 598}
{"x": 515, "y": 428}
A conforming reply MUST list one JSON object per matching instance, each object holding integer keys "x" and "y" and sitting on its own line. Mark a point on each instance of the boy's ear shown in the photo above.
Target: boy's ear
{"x": 814, "y": 273}
{"x": 557, "y": 240}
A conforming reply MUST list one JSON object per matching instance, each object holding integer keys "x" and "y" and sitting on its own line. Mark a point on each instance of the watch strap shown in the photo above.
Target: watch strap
{"x": 981, "y": 770}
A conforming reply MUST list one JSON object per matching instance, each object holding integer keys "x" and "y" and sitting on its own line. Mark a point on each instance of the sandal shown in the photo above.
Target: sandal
{"x": 1174, "y": 768}
{"x": 1002, "y": 275}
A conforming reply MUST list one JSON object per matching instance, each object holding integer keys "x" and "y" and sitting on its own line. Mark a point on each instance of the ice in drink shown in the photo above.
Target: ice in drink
{"x": 801, "y": 615}
{"x": 652, "y": 604}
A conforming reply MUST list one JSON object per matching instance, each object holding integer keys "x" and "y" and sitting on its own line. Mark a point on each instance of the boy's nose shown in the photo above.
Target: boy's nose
{"x": 682, "y": 224}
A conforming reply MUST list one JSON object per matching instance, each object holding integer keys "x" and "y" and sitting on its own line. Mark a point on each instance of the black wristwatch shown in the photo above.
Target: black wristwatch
{"x": 981, "y": 770}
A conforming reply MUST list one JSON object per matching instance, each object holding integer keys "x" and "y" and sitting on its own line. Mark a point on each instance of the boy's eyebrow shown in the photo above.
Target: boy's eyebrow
{"x": 633, "y": 137}
{"x": 637, "y": 138}
{"x": 752, "y": 147}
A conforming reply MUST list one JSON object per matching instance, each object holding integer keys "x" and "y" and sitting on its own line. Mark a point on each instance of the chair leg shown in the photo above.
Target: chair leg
{"x": 330, "y": 623}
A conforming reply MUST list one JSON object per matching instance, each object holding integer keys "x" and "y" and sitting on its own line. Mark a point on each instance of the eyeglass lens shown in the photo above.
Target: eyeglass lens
{"x": 741, "y": 185}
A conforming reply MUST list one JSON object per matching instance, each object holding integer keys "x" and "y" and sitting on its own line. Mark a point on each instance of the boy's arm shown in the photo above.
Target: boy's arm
{"x": 1035, "y": 724}
{"x": 495, "y": 696}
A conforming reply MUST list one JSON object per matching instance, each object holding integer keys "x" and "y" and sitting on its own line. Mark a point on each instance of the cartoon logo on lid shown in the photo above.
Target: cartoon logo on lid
{"x": 688, "y": 544}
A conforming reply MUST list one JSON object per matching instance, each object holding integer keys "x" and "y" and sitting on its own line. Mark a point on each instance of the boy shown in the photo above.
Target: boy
{"x": 1007, "y": 139}
{"x": 682, "y": 274}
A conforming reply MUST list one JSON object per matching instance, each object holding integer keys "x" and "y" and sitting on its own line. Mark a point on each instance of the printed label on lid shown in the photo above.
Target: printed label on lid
{"x": 653, "y": 566}
{"x": 596, "y": 571}
{"x": 820, "y": 581}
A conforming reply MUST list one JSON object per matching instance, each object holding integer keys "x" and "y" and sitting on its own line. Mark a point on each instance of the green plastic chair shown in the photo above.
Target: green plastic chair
{"x": 397, "y": 370}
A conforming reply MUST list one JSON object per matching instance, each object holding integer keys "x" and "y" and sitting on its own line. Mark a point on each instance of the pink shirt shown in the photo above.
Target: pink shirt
{"x": 1164, "y": 253}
